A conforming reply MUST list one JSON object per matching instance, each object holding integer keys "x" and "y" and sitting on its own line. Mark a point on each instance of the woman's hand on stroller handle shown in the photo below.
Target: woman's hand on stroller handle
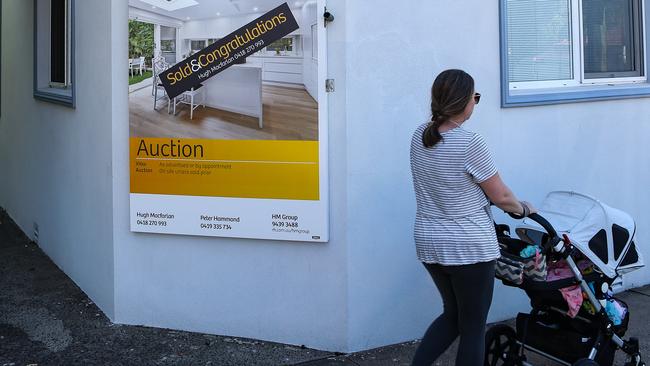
{"x": 527, "y": 209}
{"x": 529, "y": 206}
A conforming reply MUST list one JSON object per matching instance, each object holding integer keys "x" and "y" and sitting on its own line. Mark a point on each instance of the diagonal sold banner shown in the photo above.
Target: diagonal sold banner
{"x": 222, "y": 54}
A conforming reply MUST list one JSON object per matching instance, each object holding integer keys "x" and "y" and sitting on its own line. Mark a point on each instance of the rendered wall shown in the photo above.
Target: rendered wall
{"x": 68, "y": 170}
{"x": 56, "y": 161}
{"x": 394, "y": 51}
{"x": 287, "y": 292}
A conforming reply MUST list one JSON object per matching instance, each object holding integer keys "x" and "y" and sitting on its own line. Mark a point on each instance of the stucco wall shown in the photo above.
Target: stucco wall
{"x": 56, "y": 161}
{"x": 287, "y": 292}
{"x": 394, "y": 51}
{"x": 68, "y": 170}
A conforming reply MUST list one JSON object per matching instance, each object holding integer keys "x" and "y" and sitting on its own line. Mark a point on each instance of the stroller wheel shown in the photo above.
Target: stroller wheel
{"x": 585, "y": 362}
{"x": 501, "y": 346}
{"x": 635, "y": 360}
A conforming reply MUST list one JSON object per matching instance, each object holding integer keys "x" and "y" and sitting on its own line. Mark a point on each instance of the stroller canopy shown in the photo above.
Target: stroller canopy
{"x": 603, "y": 234}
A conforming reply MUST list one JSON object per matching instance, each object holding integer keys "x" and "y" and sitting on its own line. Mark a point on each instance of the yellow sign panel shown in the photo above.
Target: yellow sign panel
{"x": 225, "y": 168}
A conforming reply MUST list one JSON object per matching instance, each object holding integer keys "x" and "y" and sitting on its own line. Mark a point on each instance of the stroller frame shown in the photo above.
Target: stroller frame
{"x": 561, "y": 248}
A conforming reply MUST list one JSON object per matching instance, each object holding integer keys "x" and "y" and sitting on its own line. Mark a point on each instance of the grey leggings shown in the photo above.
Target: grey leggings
{"x": 466, "y": 296}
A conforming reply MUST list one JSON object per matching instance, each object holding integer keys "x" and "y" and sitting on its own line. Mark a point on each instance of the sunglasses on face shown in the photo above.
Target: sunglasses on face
{"x": 477, "y": 98}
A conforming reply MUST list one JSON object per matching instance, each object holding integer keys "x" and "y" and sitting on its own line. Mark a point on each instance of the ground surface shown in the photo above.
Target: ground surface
{"x": 45, "y": 319}
{"x": 138, "y": 78}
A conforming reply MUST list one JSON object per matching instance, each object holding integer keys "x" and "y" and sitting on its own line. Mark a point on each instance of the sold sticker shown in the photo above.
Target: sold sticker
{"x": 224, "y": 53}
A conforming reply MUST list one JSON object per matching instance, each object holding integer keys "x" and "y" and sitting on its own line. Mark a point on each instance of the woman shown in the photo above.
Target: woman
{"x": 453, "y": 173}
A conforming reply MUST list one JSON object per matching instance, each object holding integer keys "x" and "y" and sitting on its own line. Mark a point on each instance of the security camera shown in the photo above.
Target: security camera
{"x": 328, "y": 16}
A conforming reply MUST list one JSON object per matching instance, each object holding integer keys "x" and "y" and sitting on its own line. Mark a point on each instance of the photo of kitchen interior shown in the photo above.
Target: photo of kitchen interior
{"x": 272, "y": 95}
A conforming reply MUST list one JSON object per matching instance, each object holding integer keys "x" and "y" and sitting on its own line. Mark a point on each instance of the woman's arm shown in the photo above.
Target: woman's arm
{"x": 499, "y": 193}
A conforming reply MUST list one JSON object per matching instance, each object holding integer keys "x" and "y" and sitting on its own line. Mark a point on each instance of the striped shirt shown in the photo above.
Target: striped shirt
{"x": 453, "y": 224}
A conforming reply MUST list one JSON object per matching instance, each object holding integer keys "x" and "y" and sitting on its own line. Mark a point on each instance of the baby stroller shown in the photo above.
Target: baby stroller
{"x": 595, "y": 245}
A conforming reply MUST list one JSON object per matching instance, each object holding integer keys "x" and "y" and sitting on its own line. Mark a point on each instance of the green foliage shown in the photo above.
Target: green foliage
{"x": 140, "y": 40}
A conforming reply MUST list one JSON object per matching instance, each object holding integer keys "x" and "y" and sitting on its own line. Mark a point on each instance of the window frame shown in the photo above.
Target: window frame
{"x": 314, "y": 41}
{"x": 578, "y": 88}
{"x": 56, "y": 94}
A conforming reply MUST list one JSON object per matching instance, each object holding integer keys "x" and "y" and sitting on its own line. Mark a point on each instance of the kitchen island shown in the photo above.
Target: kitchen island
{"x": 237, "y": 89}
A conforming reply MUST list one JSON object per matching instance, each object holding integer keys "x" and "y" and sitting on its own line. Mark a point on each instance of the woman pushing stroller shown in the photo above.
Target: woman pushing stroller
{"x": 455, "y": 179}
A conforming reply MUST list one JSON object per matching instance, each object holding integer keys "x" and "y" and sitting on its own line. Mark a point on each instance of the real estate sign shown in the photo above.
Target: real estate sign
{"x": 250, "y": 161}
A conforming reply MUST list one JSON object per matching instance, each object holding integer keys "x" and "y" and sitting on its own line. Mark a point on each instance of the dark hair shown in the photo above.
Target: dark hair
{"x": 450, "y": 93}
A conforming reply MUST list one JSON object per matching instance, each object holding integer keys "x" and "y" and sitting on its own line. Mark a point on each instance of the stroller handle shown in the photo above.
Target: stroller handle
{"x": 544, "y": 223}
{"x": 553, "y": 239}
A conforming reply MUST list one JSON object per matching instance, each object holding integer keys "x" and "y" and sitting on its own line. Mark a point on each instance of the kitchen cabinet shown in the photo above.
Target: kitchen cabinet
{"x": 280, "y": 69}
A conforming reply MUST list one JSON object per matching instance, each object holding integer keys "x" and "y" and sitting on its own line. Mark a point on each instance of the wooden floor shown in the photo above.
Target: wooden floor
{"x": 289, "y": 114}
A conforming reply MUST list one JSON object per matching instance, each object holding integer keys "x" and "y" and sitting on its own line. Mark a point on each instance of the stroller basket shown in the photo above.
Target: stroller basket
{"x": 568, "y": 340}
{"x": 513, "y": 269}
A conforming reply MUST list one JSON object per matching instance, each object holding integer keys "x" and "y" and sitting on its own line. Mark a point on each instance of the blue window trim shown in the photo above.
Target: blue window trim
{"x": 557, "y": 95}
{"x": 40, "y": 94}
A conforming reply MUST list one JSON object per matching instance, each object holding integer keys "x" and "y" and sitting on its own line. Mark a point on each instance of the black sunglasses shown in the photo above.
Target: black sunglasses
{"x": 477, "y": 98}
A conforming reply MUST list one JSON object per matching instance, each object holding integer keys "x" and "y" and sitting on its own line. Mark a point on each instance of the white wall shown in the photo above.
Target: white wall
{"x": 154, "y": 18}
{"x": 393, "y": 55}
{"x": 68, "y": 170}
{"x": 282, "y": 291}
{"x": 219, "y": 27}
{"x": 309, "y": 63}
{"x": 56, "y": 161}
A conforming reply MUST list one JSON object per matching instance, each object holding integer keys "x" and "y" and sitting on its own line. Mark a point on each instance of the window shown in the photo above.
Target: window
{"x": 556, "y": 51}
{"x": 612, "y": 39}
{"x": 54, "y": 51}
{"x": 282, "y": 44}
{"x": 287, "y": 46}
{"x": 168, "y": 45}
{"x": 197, "y": 45}
{"x": 539, "y": 41}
